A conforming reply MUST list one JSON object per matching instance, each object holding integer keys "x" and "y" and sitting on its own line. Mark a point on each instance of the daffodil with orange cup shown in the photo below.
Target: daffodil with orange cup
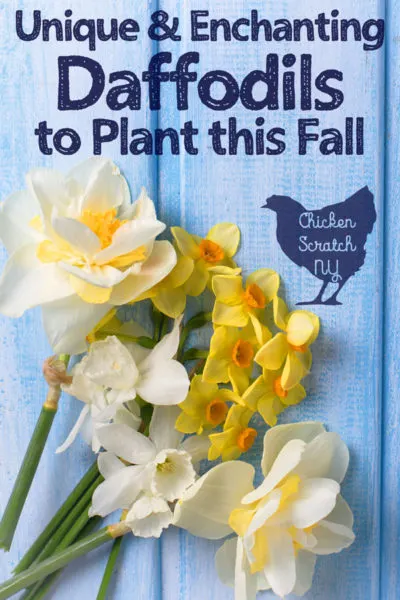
{"x": 205, "y": 407}
{"x": 267, "y": 396}
{"x": 291, "y": 347}
{"x": 236, "y": 438}
{"x": 231, "y": 357}
{"x": 237, "y": 304}
{"x": 210, "y": 255}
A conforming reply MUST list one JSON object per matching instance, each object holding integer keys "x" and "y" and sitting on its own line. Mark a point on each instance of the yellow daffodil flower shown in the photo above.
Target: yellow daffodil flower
{"x": 267, "y": 396}
{"x": 169, "y": 296}
{"x": 300, "y": 329}
{"x": 236, "y": 304}
{"x": 211, "y": 255}
{"x": 231, "y": 356}
{"x": 236, "y": 438}
{"x": 204, "y": 408}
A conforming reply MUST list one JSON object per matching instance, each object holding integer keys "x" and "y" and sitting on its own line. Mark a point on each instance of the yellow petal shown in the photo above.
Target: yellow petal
{"x": 231, "y": 316}
{"x": 90, "y": 293}
{"x": 220, "y": 441}
{"x": 267, "y": 280}
{"x": 48, "y": 252}
{"x": 197, "y": 281}
{"x": 240, "y": 519}
{"x": 171, "y": 302}
{"x": 204, "y": 390}
{"x": 185, "y": 242}
{"x": 226, "y": 235}
{"x": 238, "y": 416}
{"x": 256, "y": 392}
{"x": 239, "y": 379}
{"x": 187, "y": 424}
{"x": 295, "y": 396}
{"x": 263, "y": 334}
{"x": 228, "y": 289}
{"x": 222, "y": 342}
{"x": 269, "y": 408}
{"x": 273, "y": 353}
{"x": 293, "y": 371}
{"x": 302, "y": 328}
{"x": 216, "y": 370}
{"x": 180, "y": 273}
{"x": 280, "y": 313}
{"x": 225, "y": 270}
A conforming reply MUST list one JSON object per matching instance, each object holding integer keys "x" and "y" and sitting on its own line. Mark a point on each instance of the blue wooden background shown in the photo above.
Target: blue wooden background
{"x": 354, "y": 384}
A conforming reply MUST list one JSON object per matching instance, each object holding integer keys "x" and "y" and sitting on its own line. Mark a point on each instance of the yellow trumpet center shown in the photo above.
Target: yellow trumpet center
{"x": 242, "y": 354}
{"x": 216, "y": 411}
{"x": 211, "y": 252}
{"x": 278, "y": 389}
{"x": 254, "y": 297}
{"x": 246, "y": 439}
{"x": 104, "y": 224}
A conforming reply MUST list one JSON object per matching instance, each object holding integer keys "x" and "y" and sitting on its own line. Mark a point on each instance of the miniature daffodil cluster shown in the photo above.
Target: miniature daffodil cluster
{"x": 248, "y": 369}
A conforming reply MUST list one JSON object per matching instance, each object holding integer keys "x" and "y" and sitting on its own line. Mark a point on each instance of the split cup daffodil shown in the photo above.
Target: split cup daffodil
{"x": 78, "y": 247}
{"x": 296, "y": 514}
{"x": 169, "y": 296}
{"x": 231, "y": 356}
{"x": 290, "y": 348}
{"x": 204, "y": 408}
{"x": 267, "y": 396}
{"x": 236, "y": 438}
{"x": 238, "y": 303}
{"x": 210, "y": 255}
{"x": 113, "y": 373}
{"x": 146, "y": 475}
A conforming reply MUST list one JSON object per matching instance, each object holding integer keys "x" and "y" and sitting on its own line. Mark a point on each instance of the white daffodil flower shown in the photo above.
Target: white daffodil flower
{"x": 113, "y": 374}
{"x": 296, "y": 513}
{"x": 78, "y": 247}
{"x": 157, "y": 470}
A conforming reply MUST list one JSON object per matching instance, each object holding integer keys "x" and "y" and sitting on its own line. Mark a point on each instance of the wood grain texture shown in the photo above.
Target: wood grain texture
{"x": 345, "y": 388}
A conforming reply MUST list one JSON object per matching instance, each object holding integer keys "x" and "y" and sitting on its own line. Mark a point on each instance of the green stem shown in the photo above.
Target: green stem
{"x": 195, "y": 322}
{"x": 36, "y": 548}
{"x": 40, "y": 589}
{"x": 69, "y": 523}
{"x": 194, "y": 354}
{"x": 58, "y": 561}
{"x": 108, "y": 573}
{"x": 144, "y": 341}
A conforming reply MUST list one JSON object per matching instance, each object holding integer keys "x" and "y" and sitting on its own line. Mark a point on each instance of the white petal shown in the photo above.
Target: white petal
{"x": 160, "y": 263}
{"x": 26, "y": 282}
{"x": 129, "y": 237}
{"x": 162, "y": 428}
{"x": 225, "y": 558}
{"x": 280, "y": 569}
{"x": 167, "y": 348}
{"x": 342, "y": 513}
{"x": 117, "y": 492}
{"x": 105, "y": 276}
{"x": 197, "y": 446}
{"x": 77, "y": 234}
{"x": 205, "y": 508}
{"x": 109, "y": 464}
{"x": 165, "y": 384}
{"x": 305, "y": 566}
{"x": 245, "y": 583}
{"x": 332, "y": 538}
{"x": 16, "y": 213}
{"x": 276, "y": 438}
{"x": 84, "y": 388}
{"x": 286, "y": 461}
{"x": 75, "y": 430}
{"x": 265, "y": 512}
{"x": 111, "y": 365}
{"x": 127, "y": 417}
{"x": 50, "y": 189}
{"x": 127, "y": 443}
{"x": 325, "y": 456}
{"x": 172, "y": 475}
{"x": 68, "y": 322}
{"x": 142, "y": 208}
{"x": 105, "y": 187}
{"x": 315, "y": 500}
{"x": 149, "y": 516}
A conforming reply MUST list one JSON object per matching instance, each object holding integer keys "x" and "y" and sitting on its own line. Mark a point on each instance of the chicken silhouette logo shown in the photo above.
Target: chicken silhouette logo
{"x": 329, "y": 242}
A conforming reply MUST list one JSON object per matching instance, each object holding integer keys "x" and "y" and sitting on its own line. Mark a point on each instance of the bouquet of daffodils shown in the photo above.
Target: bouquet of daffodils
{"x": 157, "y": 402}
